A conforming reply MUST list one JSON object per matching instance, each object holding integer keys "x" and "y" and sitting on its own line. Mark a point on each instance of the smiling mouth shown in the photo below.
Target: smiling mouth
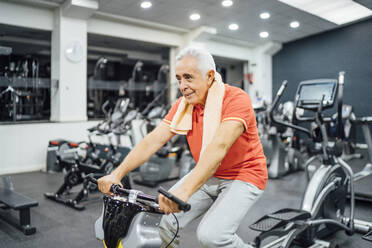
{"x": 188, "y": 94}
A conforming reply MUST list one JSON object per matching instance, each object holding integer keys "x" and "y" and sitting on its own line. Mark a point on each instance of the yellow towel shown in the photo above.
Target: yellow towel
{"x": 182, "y": 120}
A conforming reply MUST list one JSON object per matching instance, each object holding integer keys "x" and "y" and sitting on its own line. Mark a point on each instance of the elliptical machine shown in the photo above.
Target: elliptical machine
{"x": 280, "y": 144}
{"x": 322, "y": 210}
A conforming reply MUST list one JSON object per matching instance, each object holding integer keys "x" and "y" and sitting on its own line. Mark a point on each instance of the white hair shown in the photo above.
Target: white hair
{"x": 204, "y": 58}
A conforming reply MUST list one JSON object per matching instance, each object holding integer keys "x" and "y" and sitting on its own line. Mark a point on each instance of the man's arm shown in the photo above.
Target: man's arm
{"x": 208, "y": 163}
{"x": 137, "y": 156}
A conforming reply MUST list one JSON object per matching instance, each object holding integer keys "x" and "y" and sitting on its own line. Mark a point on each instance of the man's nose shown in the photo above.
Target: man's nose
{"x": 182, "y": 85}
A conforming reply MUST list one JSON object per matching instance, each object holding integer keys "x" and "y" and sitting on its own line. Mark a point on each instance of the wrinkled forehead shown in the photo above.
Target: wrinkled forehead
{"x": 188, "y": 64}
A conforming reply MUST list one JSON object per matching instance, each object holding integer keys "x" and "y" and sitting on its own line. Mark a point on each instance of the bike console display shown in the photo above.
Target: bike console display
{"x": 310, "y": 93}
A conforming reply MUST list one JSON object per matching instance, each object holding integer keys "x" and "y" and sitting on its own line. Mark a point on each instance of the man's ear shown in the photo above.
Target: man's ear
{"x": 210, "y": 76}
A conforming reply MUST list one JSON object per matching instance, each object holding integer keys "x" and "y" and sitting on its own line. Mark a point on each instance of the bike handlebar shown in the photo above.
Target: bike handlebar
{"x": 118, "y": 190}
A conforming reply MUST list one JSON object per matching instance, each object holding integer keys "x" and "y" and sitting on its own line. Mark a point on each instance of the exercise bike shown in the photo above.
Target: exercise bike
{"x": 322, "y": 210}
{"x": 159, "y": 168}
{"x": 76, "y": 170}
{"x": 130, "y": 218}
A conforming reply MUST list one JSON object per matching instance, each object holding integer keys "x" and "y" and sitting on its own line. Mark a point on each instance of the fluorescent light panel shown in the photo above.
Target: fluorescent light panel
{"x": 233, "y": 26}
{"x": 194, "y": 16}
{"x": 336, "y": 11}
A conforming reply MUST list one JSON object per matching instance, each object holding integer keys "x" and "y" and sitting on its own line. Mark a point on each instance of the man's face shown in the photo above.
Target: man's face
{"x": 193, "y": 85}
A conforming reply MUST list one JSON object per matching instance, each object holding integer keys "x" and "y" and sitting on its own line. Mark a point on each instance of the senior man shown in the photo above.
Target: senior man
{"x": 230, "y": 174}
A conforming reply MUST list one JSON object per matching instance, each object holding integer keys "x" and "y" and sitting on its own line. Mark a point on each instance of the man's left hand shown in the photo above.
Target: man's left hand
{"x": 168, "y": 206}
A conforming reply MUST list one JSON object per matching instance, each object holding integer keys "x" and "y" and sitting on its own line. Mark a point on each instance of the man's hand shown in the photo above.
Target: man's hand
{"x": 105, "y": 183}
{"x": 168, "y": 206}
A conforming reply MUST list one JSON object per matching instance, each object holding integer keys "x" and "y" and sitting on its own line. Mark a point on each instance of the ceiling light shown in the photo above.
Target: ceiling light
{"x": 294, "y": 24}
{"x": 227, "y": 3}
{"x": 146, "y": 4}
{"x": 194, "y": 17}
{"x": 233, "y": 26}
{"x": 338, "y": 12}
{"x": 265, "y": 15}
{"x": 264, "y": 34}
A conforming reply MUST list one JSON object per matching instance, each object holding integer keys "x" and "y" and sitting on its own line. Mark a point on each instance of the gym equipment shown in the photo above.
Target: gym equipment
{"x": 145, "y": 84}
{"x": 367, "y": 170}
{"x": 348, "y": 128}
{"x": 349, "y": 147}
{"x": 76, "y": 170}
{"x": 160, "y": 166}
{"x": 130, "y": 218}
{"x": 95, "y": 96}
{"x": 11, "y": 200}
{"x": 23, "y": 95}
{"x": 94, "y": 152}
{"x": 322, "y": 210}
{"x": 280, "y": 144}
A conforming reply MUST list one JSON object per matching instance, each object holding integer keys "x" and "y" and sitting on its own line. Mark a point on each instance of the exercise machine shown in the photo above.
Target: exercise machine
{"x": 323, "y": 205}
{"x": 160, "y": 167}
{"x": 280, "y": 144}
{"x": 23, "y": 95}
{"x": 75, "y": 170}
{"x": 367, "y": 170}
{"x": 131, "y": 218}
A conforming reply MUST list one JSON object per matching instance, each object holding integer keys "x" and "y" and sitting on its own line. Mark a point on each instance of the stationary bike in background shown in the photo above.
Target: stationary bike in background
{"x": 97, "y": 159}
{"x": 160, "y": 167}
{"x": 76, "y": 170}
{"x": 323, "y": 208}
{"x": 90, "y": 152}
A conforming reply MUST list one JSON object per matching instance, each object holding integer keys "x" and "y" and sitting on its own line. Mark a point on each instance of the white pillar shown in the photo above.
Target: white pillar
{"x": 173, "y": 84}
{"x": 69, "y": 61}
{"x": 261, "y": 68}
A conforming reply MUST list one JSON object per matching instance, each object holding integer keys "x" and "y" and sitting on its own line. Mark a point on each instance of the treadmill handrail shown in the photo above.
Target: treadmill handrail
{"x": 280, "y": 122}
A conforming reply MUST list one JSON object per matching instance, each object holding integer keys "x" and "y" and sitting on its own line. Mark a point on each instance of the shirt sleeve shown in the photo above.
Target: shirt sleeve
{"x": 238, "y": 107}
{"x": 169, "y": 117}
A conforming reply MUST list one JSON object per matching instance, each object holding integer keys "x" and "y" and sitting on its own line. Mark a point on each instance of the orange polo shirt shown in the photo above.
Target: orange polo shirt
{"x": 245, "y": 160}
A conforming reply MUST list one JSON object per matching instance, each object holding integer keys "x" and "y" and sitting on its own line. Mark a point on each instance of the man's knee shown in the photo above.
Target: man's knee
{"x": 212, "y": 237}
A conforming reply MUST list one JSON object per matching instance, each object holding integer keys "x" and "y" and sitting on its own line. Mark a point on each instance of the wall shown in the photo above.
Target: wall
{"x": 23, "y": 147}
{"x": 346, "y": 49}
{"x": 26, "y": 16}
{"x": 234, "y": 73}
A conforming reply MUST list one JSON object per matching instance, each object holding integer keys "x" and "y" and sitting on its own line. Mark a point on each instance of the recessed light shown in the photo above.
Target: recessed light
{"x": 265, "y": 15}
{"x": 264, "y": 34}
{"x": 146, "y": 4}
{"x": 194, "y": 16}
{"x": 233, "y": 26}
{"x": 294, "y": 24}
{"x": 227, "y": 3}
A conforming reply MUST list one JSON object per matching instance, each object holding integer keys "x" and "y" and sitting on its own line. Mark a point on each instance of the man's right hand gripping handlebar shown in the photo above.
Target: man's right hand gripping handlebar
{"x": 105, "y": 183}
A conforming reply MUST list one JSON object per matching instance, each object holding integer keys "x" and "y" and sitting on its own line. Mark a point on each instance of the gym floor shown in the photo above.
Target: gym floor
{"x": 63, "y": 227}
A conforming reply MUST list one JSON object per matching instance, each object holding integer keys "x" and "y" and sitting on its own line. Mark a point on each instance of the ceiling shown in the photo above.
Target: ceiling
{"x": 176, "y": 13}
{"x": 243, "y": 12}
